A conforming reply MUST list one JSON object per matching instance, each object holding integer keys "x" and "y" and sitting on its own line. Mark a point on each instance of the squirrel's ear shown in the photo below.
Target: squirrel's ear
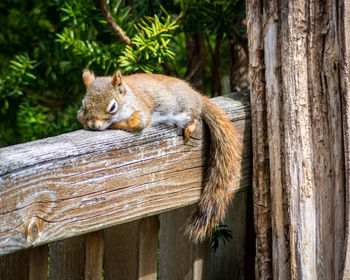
{"x": 88, "y": 77}
{"x": 117, "y": 82}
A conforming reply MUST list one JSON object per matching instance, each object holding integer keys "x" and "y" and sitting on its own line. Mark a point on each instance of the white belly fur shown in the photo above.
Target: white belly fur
{"x": 179, "y": 119}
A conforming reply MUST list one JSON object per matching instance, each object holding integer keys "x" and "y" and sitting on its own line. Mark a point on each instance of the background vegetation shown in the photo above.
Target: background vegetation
{"x": 45, "y": 45}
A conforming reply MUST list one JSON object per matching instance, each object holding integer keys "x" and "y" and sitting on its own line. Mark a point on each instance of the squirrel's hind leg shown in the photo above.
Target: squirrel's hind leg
{"x": 189, "y": 128}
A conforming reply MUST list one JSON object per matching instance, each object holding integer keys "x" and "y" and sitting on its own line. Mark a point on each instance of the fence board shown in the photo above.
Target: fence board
{"x": 15, "y": 266}
{"x": 121, "y": 252}
{"x": 202, "y": 265}
{"x": 26, "y": 264}
{"x": 131, "y": 250}
{"x": 179, "y": 258}
{"x": 84, "y": 181}
{"x": 175, "y": 250}
{"x": 38, "y": 262}
{"x": 228, "y": 260}
{"x": 67, "y": 259}
{"x": 148, "y": 246}
{"x": 94, "y": 255}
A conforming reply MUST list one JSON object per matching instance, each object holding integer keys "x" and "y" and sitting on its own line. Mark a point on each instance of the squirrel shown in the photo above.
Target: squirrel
{"x": 134, "y": 102}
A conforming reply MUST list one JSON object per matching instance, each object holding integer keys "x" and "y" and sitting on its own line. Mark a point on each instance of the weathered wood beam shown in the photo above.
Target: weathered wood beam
{"x": 84, "y": 181}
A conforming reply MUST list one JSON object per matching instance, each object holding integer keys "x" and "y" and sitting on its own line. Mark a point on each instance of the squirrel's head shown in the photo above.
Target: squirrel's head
{"x": 103, "y": 100}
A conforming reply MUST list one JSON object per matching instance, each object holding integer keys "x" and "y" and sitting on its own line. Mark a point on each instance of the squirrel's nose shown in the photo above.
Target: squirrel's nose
{"x": 97, "y": 125}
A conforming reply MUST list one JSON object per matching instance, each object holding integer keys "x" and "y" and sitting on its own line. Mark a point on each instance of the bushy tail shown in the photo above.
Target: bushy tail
{"x": 224, "y": 159}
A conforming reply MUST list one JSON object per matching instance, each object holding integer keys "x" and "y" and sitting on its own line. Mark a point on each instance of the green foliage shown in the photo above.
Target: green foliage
{"x": 220, "y": 17}
{"x": 152, "y": 45}
{"x": 49, "y": 44}
{"x": 45, "y": 45}
{"x": 88, "y": 53}
{"x": 19, "y": 75}
{"x": 222, "y": 232}
{"x": 87, "y": 37}
{"x": 150, "y": 35}
{"x": 32, "y": 96}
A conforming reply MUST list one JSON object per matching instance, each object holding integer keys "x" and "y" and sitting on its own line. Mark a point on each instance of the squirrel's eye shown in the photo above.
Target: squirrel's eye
{"x": 112, "y": 107}
{"x": 83, "y": 104}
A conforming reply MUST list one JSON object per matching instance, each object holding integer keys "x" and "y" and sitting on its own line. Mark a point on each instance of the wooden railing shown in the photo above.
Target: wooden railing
{"x": 111, "y": 192}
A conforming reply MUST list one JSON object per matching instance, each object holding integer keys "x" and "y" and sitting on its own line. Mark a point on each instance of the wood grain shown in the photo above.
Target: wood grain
{"x": 121, "y": 259}
{"x": 94, "y": 255}
{"x": 38, "y": 262}
{"x": 67, "y": 259}
{"x": 131, "y": 250}
{"x": 15, "y": 266}
{"x": 227, "y": 262}
{"x": 148, "y": 247}
{"x": 84, "y": 181}
{"x": 175, "y": 260}
{"x": 179, "y": 258}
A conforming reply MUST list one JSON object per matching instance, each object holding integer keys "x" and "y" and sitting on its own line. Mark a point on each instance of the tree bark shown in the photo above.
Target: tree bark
{"x": 238, "y": 60}
{"x": 261, "y": 178}
{"x": 215, "y": 75}
{"x": 344, "y": 43}
{"x": 299, "y": 72}
{"x": 195, "y": 51}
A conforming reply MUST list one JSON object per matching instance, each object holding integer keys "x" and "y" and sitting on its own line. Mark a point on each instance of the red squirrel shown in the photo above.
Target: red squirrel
{"x": 134, "y": 102}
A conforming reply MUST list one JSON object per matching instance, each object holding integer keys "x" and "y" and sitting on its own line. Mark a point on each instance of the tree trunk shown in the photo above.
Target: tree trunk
{"x": 215, "y": 75}
{"x": 195, "y": 50}
{"x": 238, "y": 60}
{"x": 299, "y": 72}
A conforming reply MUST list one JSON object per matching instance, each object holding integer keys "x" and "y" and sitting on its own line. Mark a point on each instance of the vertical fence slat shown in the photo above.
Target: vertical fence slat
{"x": 201, "y": 265}
{"x": 228, "y": 260}
{"x": 38, "y": 261}
{"x": 28, "y": 264}
{"x": 14, "y": 266}
{"x": 94, "y": 256}
{"x": 148, "y": 246}
{"x": 179, "y": 259}
{"x": 131, "y": 250}
{"x": 121, "y": 252}
{"x": 67, "y": 259}
{"x": 175, "y": 260}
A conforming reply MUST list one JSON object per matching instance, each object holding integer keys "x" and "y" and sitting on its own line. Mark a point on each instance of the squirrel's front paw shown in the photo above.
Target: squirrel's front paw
{"x": 132, "y": 124}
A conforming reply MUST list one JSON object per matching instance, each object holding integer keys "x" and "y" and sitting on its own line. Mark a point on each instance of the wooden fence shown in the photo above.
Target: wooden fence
{"x": 112, "y": 205}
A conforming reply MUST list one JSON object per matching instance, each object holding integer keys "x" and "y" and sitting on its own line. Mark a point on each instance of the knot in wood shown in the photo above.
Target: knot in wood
{"x": 33, "y": 230}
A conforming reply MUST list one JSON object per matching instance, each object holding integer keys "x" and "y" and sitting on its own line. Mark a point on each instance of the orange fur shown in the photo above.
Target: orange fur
{"x": 190, "y": 127}
{"x": 133, "y": 124}
{"x": 224, "y": 159}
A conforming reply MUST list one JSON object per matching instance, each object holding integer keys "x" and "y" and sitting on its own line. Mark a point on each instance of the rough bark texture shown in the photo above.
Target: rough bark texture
{"x": 344, "y": 31}
{"x": 261, "y": 183}
{"x": 299, "y": 53}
